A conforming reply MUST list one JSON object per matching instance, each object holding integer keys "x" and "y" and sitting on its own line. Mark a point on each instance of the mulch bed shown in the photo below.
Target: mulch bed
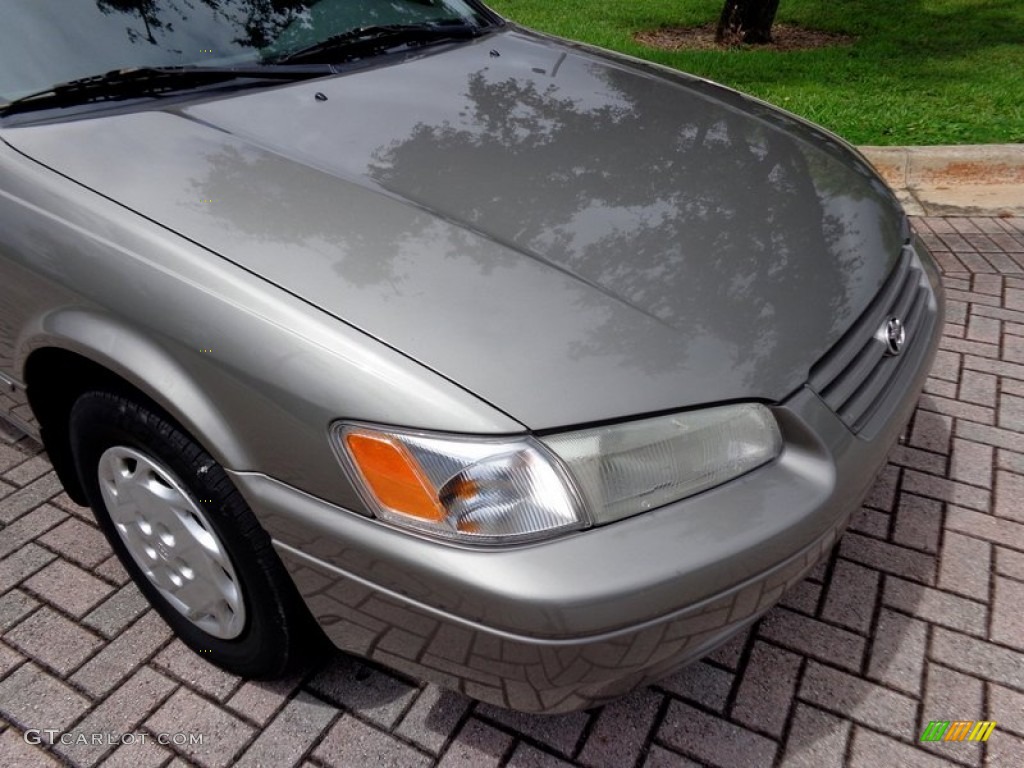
{"x": 786, "y": 37}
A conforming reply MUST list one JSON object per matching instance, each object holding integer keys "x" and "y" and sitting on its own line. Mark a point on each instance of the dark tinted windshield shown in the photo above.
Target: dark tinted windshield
{"x": 43, "y": 42}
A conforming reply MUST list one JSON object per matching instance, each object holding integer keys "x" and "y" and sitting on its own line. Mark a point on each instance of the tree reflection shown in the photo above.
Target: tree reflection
{"x": 709, "y": 221}
{"x": 262, "y": 189}
{"x": 145, "y": 9}
{"x": 259, "y": 22}
{"x": 696, "y": 242}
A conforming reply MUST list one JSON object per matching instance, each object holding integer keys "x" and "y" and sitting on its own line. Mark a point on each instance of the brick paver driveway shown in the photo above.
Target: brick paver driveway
{"x": 917, "y": 616}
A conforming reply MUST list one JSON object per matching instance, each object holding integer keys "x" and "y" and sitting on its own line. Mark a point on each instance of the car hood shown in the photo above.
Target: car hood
{"x": 572, "y": 236}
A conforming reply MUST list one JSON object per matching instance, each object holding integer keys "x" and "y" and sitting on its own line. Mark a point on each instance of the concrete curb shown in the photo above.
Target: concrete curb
{"x": 985, "y": 180}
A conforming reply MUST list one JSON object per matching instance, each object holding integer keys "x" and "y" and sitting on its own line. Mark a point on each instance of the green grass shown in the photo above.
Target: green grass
{"x": 920, "y": 71}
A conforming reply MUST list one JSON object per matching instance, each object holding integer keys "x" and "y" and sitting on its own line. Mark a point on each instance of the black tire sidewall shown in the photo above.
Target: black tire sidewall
{"x": 265, "y": 648}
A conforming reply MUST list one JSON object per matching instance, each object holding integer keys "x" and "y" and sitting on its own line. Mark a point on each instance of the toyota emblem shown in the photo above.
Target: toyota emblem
{"x": 894, "y": 334}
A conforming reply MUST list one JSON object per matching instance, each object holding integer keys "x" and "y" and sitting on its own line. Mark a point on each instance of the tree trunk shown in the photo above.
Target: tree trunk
{"x": 751, "y": 19}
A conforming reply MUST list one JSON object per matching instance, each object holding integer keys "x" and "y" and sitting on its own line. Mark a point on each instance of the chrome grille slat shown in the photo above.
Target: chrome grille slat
{"x": 859, "y": 404}
{"x": 907, "y": 296}
{"x": 873, "y": 388}
{"x": 842, "y": 354}
{"x": 851, "y": 378}
{"x": 844, "y": 387}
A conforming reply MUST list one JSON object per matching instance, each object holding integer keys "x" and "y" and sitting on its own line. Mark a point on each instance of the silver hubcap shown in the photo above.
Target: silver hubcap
{"x": 172, "y": 541}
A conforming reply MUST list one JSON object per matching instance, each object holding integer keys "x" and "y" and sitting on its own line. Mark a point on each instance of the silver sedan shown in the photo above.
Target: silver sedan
{"x": 511, "y": 363}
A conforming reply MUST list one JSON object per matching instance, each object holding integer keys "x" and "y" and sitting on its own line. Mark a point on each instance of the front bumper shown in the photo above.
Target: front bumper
{"x": 568, "y": 623}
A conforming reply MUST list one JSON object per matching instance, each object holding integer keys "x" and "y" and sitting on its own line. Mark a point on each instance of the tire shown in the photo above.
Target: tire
{"x": 188, "y": 539}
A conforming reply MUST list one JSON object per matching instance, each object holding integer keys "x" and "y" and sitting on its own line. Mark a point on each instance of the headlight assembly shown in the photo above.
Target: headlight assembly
{"x": 634, "y": 466}
{"x": 518, "y": 488}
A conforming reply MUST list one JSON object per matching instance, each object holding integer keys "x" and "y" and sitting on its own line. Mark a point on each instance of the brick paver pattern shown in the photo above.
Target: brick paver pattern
{"x": 917, "y": 615}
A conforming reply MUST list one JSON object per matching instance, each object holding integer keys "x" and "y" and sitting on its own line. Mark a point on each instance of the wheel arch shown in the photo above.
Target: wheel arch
{"x": 79, "y": 351}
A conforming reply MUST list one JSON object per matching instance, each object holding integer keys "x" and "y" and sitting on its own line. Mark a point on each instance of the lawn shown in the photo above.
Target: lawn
{"x": 919, "y": 72}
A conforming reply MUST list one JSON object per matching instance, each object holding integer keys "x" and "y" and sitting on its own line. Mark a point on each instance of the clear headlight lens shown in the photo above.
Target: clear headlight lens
{"x": 521, "y": 488}
{"x": 486, "y": 490}
{"x": 627, "y": 468}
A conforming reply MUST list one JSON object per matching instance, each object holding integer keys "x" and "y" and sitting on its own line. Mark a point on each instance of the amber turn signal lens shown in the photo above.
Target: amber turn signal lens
{"x": 394, "y": 477}
{"x": 462, "y": 487}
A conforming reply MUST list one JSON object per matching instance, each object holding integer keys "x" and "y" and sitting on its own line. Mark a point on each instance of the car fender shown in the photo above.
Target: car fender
{"x": 255, "y": 373}
{"x": 110, "y": 343}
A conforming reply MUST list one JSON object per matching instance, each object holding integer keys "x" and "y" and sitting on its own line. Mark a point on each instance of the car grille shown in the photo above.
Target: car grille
{"x": 853, "y": 376}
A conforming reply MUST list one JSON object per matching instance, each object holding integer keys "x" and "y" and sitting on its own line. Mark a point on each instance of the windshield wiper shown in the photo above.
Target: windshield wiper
{"x": 149, "y": 81}
{"x": 385, "y": 37}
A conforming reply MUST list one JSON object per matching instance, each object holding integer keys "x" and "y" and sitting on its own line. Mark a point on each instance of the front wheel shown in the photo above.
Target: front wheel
{"x": 188, "y": 539}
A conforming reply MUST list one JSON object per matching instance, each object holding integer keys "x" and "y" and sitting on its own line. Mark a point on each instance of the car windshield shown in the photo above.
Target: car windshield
{"x": 46, "y": 42}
